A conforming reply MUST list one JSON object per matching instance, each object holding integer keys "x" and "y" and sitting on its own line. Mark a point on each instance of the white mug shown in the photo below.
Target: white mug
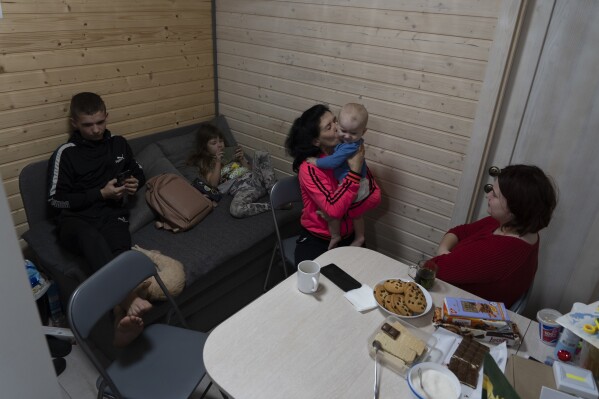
{"x": 308, "y": 273}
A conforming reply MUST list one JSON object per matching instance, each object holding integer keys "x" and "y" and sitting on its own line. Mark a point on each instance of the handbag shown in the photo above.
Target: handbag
{"x": 178, "y": 204}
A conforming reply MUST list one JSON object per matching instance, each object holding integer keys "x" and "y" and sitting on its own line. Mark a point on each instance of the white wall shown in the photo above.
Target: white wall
{"x": 27, "y": 370}
{"x": 551, "y": 119}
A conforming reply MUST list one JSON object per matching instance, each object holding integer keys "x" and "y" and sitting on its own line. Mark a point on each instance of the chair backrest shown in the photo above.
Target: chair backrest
{"x": 285, "y": 190}
{"x": 101, "y": 292}
{"x": 107, "y": 288}
{"x": 32, "y": 185}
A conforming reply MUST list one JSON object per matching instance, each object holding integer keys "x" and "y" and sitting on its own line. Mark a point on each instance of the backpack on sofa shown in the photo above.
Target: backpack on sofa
{"x": 179, "y": 205}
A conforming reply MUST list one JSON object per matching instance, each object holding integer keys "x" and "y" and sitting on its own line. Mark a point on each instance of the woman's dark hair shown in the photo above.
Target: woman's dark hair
{"x": 306, "y": 128}
{"x": 531, "y": 197}
{"x": 201, "y": 157}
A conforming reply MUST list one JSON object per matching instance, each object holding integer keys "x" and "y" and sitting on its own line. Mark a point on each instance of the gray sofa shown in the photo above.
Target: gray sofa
{"x": 225, "y": 258}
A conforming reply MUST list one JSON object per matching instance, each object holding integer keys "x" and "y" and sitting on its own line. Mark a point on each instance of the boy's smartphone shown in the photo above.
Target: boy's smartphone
{"x": 340, "y": 277}
{"x": 122, "y": 176}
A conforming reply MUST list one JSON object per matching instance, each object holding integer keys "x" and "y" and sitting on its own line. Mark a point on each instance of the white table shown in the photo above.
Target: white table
{"x": 532, "y": 346}
{"x": 287, "y": 344}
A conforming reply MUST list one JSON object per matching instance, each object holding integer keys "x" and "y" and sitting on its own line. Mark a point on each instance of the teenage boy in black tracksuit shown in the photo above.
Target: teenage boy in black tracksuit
{"x": 89, "y": 180}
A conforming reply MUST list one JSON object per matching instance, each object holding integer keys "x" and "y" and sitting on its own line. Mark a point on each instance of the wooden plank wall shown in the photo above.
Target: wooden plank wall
{"x": 417, "y": 65}
{"x": 151, "y": 60}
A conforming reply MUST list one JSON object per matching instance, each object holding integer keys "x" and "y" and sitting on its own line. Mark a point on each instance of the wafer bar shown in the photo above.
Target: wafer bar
{"x": 467, "y": 360}
{"x": 399, "y": 342}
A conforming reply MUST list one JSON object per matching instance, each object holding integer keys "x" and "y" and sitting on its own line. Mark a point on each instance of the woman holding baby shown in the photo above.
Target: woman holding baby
{"x": 315, "y": 134}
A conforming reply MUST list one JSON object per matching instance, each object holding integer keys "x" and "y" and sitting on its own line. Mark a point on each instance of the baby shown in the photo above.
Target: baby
{"x": 350, "y": 129}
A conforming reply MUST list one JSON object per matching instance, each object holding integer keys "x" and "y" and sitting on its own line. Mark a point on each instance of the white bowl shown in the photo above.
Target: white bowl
{"x": 427, "y": 296}
{"x": 432, "y": 369}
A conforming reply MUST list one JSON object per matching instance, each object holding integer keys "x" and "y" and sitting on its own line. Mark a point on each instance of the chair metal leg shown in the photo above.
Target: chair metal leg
{"x": 206, "y": 390}
{"x": 285, "y": 270}
{"x": 272, "y": 259}
{"x": 284, "y": 264}
{"x": 102, "y": 394}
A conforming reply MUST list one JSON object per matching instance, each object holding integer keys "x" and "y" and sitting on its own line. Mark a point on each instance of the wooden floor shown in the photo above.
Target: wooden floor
{"x": 78, "y": 381}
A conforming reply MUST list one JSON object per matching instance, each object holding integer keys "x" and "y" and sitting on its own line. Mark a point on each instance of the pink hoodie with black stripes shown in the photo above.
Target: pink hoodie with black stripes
{"x": 321, "y": 191}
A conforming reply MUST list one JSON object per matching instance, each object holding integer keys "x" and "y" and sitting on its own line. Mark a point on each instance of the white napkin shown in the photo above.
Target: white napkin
{"x": 362, "y": 298}
{"x": 447, "y": 343}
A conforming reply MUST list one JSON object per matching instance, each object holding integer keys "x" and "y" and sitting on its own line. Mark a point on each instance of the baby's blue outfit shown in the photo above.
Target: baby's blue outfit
{"x": 338, "y": 159}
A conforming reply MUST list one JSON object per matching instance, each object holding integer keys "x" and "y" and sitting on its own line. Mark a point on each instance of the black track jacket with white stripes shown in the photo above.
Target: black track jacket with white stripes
{"x": 80, "y": 168}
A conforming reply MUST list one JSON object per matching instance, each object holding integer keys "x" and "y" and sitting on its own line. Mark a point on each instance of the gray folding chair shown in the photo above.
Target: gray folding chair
{"x": 163, "y": 362}
{"x": 285, "y": 191}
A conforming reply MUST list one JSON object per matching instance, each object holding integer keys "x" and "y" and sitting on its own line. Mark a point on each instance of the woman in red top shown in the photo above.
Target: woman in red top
{"x": 314, "y": 135}
{"x": 496, "y": 257}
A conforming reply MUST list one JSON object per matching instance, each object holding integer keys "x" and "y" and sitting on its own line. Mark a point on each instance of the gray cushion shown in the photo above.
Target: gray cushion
{"x": 178, "y": 149}
{"x": 140, "y": 213}
{"x": 148, "y": 156}
{"x": 190, "y": 172}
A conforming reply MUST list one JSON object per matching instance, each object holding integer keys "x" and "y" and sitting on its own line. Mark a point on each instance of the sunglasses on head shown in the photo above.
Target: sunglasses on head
{"x": 494, "y": 171}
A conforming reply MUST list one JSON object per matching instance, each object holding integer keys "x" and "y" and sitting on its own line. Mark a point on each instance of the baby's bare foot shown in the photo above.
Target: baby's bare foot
{"x": 138, "y": 307}
{"x": 127, "y": 329}
{"x": 134, "y": 304}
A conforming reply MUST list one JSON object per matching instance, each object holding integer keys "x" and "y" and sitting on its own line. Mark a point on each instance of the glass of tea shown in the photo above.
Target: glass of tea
{"x": 424, "y": 273}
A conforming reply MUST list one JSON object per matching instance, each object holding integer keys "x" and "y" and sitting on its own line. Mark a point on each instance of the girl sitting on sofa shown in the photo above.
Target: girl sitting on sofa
{"x": 218, "y": 173}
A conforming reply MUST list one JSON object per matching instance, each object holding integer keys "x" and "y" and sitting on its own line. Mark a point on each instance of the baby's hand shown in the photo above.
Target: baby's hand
{"x": 311, "y": 160}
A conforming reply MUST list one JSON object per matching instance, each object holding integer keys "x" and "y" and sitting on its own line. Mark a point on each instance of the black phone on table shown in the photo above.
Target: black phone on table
{"x": 340, "y": 277}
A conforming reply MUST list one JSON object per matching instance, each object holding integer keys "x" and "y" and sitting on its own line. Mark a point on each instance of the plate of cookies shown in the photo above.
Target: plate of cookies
{"x": 402, "y": 298}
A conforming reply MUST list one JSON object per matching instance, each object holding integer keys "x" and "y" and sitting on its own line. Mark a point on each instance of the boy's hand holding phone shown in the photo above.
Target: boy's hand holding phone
{"x": 128, "y": 181}
{"x": 112, "y": 190}
{"x": 121, "y": 177}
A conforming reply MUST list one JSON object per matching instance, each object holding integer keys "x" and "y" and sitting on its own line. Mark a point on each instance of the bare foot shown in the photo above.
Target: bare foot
{"x": 127, "y": 329}
{"x": 143, "y": 288}
{"x": 127, "y": 315}
{"x": 138, "y": 306}
{"x": 335, "y": 240}
{"x": 135, "y": 304}
{"x": 358, "y": 242}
